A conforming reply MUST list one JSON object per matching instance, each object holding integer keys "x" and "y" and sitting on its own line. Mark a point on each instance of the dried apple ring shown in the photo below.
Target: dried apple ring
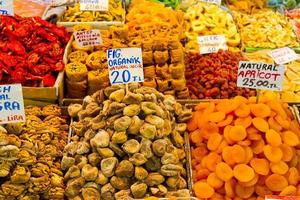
{"x": 243, "y": 173}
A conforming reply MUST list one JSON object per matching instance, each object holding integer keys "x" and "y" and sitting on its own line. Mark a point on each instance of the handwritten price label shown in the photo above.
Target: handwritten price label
{"x": 94, "y": 5}
{"x": 88, "y": 38}
{"x": 218, "y": 2}
{"x": 11, "y": 104}
{"x": 6, "y": 7}
{"x": 257, "y": 75}
{"x": 125, "y": 65}
{"x": 283, "y": 55}
{"x": 211, "y": 43}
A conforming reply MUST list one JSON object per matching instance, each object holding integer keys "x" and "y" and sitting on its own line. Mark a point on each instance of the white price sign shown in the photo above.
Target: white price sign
{"x": 258, "y": 75}
{"x": 218, "y": 2}
{"x": 11, "y": 104}
{"x": 283, "y": 55}
{"x": 94, "y": 5}
{"x": 6, "y": 7}
{"x": 125, "y": 65}
{"x": 211, "y": 43}
{"x": 88, "y": 38}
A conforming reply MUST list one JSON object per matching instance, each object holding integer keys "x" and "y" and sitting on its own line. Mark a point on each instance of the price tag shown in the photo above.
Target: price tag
{"x": 279, "y": 197}
{"x": 258, "y": 75}
{"x": 88, "y": 38}
{"x": 283, "y": 55}
{"x": 218, "y": 2}
{"x": 11, "y": 104}
{"x": 125, "y": 65}
{"x": 211, "y": 43}
{"x": 94, "y": 5}
{"x": 6, "y": 7}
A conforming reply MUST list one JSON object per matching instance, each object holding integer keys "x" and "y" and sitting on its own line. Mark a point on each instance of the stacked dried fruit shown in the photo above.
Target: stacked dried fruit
{"x": 294, "y": 16}
{"x": 248, "y": 6}
{"x": 87, "y": 69}
{"x": 243, "y": 149}
{"x": 31, "y": 51}
{"x": 214, "y": 75}
{"x": 115, "y": 12}
{"x": 30, "y": 155}
{"x": 158, "y": 30}
{"x": 127, "y": 144}
{"x": 210, "y": 19}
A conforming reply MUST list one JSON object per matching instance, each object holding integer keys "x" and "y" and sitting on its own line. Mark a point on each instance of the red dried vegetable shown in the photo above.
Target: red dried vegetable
{"x": 31, "y": 51}
{"x": 214, "y": 76}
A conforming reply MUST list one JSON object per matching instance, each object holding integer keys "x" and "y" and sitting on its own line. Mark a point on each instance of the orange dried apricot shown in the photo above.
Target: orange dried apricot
{"x": 238, "y": 153}
{"x": 294, "y": 126}
{"x": 214, "y": 181}
{"x": 273, "y": 138}
{"x": 262, "y": 190}
{"x": 260, "y": 110}
{"x": 229, "y": 188}
{"x": 222, "y": 145}
{"x": 287, "y": 152}
{"x": 282, "y": 121}
{"x": 244, "y": 192}
{"x": 294, "y": 161}
{"x": 242, "y": 111}
{"x": 274, "y": 125}
{"x": 216, "y": 117}
{"x": 217, "y": 196}
{"x": 224, "y": 171}
{"x": 250, "y": 183}
{"x": 249, "y": 154}
{"x": 195, "y": 137}
{"x": 289, "y": 190}
{"x": 226, "y": 121}
{"x": 243, "y": 173}
{"x": 214, "y": 141}
{"x": 257, "y": 146}
{"x": 201, "y": 106}
{"x": 290, "y": 138}
{"x": 199, "y": 152}
{"x": 276, "y": 182}
{"x": 293, "y": 176}
{"x": 243, "y": 121}
{"x": 279, "y": 167}
{"x": 244, "y": 142}
{"x": 212, "y": 159}
{"x": 260, "y": 166}
{"x": 261, "y": 124}
{"x": 226, "y": 155}
{"x": 226, "y": 134}
{"x": 240, "y": 99}
{"x": 226, "y": 106}
{"x": 277, "y": 107}
{"x": 273, "y": 154}
{"x": 202, "y": 174}
{"x": 237, "y": 133}
{"x": 209, "y": 109}
{"x": 209, "y": 128}
{"x": 193, "y": 122}
{"x": 203, "y": 190}
{"x": 253, "y": 134}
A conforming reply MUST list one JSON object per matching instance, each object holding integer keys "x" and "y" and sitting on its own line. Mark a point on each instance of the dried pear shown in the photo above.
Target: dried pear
{"x": 90, "y": 194}
{"x": 159, "y": 147}
{"x": 117, "y": 95}
{"x": 105, "y": 152}
{"x": 155, "y": 120}
{"x": 131, "y": 146}
{"x": 148, "y": 131}
{"x": 138, "y": 159}
{"x": 120, "y": 183}
{"x": 89, "y": 173}
{"x": 122, "y": 123}
{"x": 101, "y": 179}
{"x": 154, "y": 179}
{"x": 125, "y": 169}
{"x": 170, "y": 170}
{"x": 108, "y": 166}
{"x": 140, "y": 173}
{"x": 131, "y": 110}
{"x": 100, "y": 140}
{"x": 138, "y": 190}
{"x": 146, "y": 148}
{"x": 119, "y": 137}
{"x": 135, "y": 125}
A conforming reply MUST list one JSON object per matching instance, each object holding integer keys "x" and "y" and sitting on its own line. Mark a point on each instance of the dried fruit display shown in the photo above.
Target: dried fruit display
{"x": 243, "y": 149}
{"x": 247, "y": 6}
{"x": 30, "y": 155}
{"x": 115, "y": 12}
{"x": 128, "y": 143}
{"x": 209, "y": 19}
{"x": 294, "y": 15}
{"x": 291, "y": 87}
{"x": 265, "y": 28}
{"x": 214, "y": 76}
{"x": 158, "y": 30}
{"x": 87, "y": 68}
{"x": 31, "y": 51}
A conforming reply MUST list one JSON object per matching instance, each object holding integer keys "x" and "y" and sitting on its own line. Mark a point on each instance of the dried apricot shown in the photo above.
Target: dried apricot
{"x": 250, "y": 183}
{"x": 214, "y": 141}
{"x": 289, "y": 190}
{"x": 212, "y": 159}
{"x": 214, "y": 181}
{"x": 242, "y": 111}
{"x": 253, "y": 133}
{"x": 282, "y": 121}
{"x": 240, "y": 99}
{"x": 217, "y": 196}
{"x": 203, "y": 190}
{"x": 209, "y": 109}
{"x": 277, "y": 107}
{"x": 222, "y": 145}
{"x": 244, "y": 192}
{"x": 238, "y": 153}
{"x": 249, "y": 154}
{"x": 202, "y": 174}
{"x": 290, "y": 138}
{"x": 273, "y": 138}
{"x": 294, "y": 126}
{"x": 208, "y": 129}
{"x": 201, "y": 106}
{"x": 262, "y": 190}
{"x": 199, "y": 152}
{"x": 226, "y": 106}
{"x": 229, "y": 188}
{"x": 260, "y": 110}
{"x": 294, "y": 161}
{"x": 279, "y": 167}
{"x": 226, "y": 134}
{"x": 273, "y": 154}
{"x": 216, "y": 117}
{"x": 261, "y": 124}
{"x": 224, "y": 171}
{"x": 260, "y": 166}
{"x": 237, "y": 133}
{"x": 226, "y": 155}
{"x": 257, "y": 146}
{"x": 293, "y": 176}
{"x": 226, "y": 121}
{"x": 243, "y": 121}
{"x": 276, "y": 182}
{"x": 244, "y": 142}
{"x": 243, "y": 172}
{"x": 195, "y": 137}
{"x": 193, "y": 122}
{"x": 274, "y": 125}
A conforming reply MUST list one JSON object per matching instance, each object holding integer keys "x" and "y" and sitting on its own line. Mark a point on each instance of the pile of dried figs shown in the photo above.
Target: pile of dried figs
{"x": 127, "y": 143}
{"x": 30, "y": 155}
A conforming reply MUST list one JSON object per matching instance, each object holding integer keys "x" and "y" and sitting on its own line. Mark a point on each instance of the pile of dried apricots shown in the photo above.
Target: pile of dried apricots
{"x": 243, "y": 149}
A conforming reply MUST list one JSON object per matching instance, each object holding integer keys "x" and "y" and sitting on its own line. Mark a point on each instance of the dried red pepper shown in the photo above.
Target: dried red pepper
{"x": 214, "y": 76}
{"x": 31, "y": 51}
